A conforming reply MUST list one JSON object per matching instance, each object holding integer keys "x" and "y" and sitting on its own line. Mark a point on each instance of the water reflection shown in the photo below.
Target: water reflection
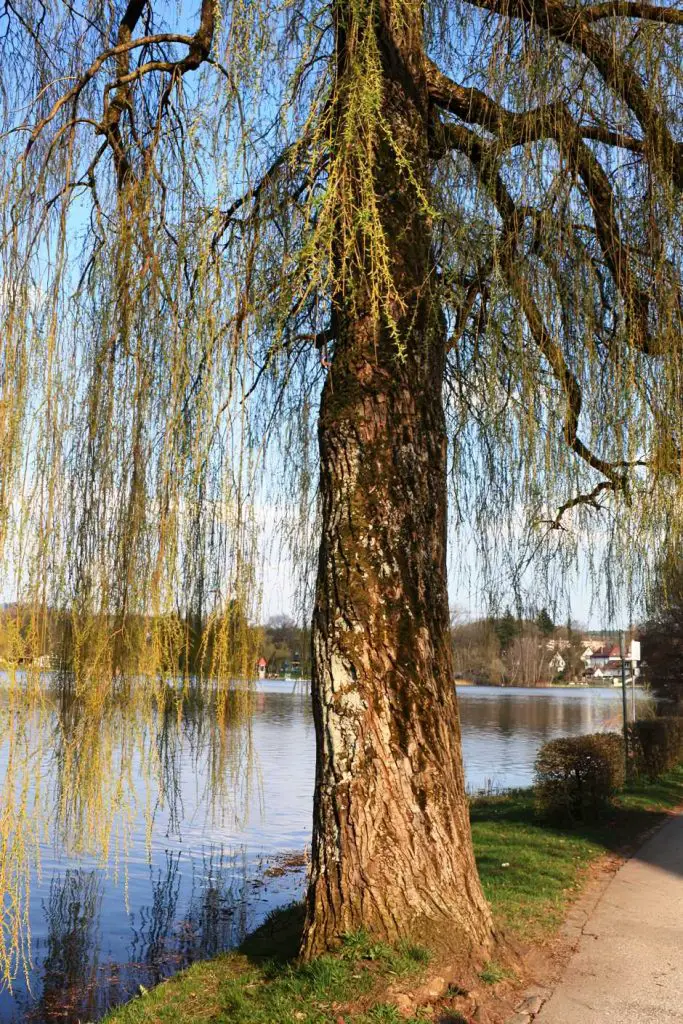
{"x": 147, "y": 815}
{"x": 185, "y": 919}
{"x": 209, "y": 796}
{"x": 71, "y": 955}
{"x": 165, "y": 934}
{"x": 503, "y": 729}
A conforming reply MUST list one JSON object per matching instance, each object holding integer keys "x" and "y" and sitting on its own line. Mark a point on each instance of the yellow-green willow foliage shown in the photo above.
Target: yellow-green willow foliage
{"x": 185, "y": 194}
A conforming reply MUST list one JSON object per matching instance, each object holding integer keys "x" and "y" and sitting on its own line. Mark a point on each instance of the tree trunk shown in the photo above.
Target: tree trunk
{"x": 392, "y": 849}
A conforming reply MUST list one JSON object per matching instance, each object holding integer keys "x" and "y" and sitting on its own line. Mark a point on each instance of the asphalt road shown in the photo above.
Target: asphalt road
{"x": 628, "y": 967}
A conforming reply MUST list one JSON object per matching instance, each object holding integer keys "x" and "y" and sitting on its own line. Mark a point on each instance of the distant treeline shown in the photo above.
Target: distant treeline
{"x": 286, "y": 648}
{"x": 497, "y": 650}
{"x": 506, "y": 650}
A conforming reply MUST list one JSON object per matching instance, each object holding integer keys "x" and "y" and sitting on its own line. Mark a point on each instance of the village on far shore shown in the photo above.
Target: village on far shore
{"x": 505, "y": 650}
{"x": 603, "y": 661}
{"x": 492, "y": 651}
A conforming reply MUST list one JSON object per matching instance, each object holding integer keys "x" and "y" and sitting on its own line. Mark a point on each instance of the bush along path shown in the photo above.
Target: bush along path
{"x": 532, "y": 869}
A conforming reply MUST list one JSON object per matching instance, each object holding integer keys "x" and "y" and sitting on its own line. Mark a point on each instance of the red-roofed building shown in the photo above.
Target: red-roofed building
{"x": 605, "y": 662}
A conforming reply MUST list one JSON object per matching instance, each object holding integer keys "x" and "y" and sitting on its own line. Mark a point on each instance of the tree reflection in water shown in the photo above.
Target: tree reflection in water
{"x": 70, "y": 965}
{"x": 74, "y": 981}
{"x": 167, "y": 936}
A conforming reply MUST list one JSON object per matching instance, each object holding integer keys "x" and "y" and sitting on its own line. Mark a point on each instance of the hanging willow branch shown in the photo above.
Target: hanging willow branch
{"x": 177, "y": 221}
{"x": 184, "y": 198}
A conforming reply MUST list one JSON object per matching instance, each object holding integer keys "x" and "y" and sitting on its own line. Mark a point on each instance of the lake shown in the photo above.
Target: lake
{"x": 188, "y": 876}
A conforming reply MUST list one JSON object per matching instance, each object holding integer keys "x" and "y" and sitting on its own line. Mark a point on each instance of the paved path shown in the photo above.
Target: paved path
{"x": 628, "y": 967}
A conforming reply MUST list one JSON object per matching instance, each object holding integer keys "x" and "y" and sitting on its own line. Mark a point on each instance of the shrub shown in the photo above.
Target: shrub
{"x": 658, "y": 744}
{"x": 577, "y": 776}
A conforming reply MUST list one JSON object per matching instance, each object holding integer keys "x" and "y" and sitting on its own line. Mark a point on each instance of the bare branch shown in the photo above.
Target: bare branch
{"x": 589, "y": 499}
{"x": 509, "y": 260}
{"x": 568, "y": 25}
{"x": 515, "y": 128}
{"x": 97, "y": 64}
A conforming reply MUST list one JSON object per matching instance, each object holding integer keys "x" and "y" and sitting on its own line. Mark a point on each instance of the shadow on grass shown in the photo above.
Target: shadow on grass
{"x": 621, "y": 828}
{"x": 526, "y": 862}
{"x": 278, "y": 939}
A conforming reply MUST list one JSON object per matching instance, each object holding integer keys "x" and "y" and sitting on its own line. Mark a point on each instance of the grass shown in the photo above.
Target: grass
{"x": 530, "y": 871}
{"x": 251, "y": 987}
{"x": 493, "y": 972}
{"x": 545, "y": 864}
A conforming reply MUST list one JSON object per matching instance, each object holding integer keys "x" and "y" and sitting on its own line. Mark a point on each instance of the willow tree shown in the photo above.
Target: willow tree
{"x": 453, "y": 220}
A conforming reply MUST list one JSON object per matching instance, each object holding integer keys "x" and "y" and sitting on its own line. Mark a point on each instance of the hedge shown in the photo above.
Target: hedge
{"x": 577, "y": 776}
{"x": 658, "y": 745}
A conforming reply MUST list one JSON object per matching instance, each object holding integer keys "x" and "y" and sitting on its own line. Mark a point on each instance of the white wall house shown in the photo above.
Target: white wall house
{"x": 604, "y": 662}
{"x": 557, "y": 664}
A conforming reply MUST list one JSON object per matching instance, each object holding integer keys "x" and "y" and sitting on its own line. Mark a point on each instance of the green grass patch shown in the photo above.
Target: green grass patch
{"x": 263, "y": 984}
{"x": 530, "y": 868}
{"x": 493, "y": 972}
{"x": 530, "y": 871}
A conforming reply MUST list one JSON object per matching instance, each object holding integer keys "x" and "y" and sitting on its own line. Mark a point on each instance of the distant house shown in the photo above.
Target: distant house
{"x": 605, "y": 654}
{"x": 610, "y": 669}
{"x": 262, "y": 666}
{"x": 604, "y": 662}
{"x": 586, "y": 656}
{"x": 557, "y": 664}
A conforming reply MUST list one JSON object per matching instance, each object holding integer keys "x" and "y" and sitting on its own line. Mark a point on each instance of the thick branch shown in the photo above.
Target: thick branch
{"x": 199, "y": 48}
{"x": 122, "y": 97}
{"x": 509, "y": 259}
{"x": 631, "y": 9}
{"x": 74, "y": 92}
{"x": 616, "y": 253}
{"x": 515, "y": 128}
{"x": 568, "y": 24}
{"x": 568, "y": 136}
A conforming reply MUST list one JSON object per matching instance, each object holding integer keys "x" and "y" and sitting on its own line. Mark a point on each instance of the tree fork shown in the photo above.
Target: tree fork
{"x": 392, "y": 849}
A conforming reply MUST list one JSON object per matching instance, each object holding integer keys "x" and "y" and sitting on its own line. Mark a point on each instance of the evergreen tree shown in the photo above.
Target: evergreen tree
{"x": 545, "y": 624}
{"x": 507, "y": 629}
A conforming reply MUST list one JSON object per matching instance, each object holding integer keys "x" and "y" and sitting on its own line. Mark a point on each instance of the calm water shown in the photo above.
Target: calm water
{"x": 210, "y": 870}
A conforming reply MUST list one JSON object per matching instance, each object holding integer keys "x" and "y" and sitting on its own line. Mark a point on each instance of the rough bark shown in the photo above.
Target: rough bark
{"x": 392, "y": 849}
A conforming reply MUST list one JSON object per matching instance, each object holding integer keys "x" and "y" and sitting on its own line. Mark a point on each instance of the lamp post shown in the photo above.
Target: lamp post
{"x": 635, "y": 658}
{"x": 622, "y": 648}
